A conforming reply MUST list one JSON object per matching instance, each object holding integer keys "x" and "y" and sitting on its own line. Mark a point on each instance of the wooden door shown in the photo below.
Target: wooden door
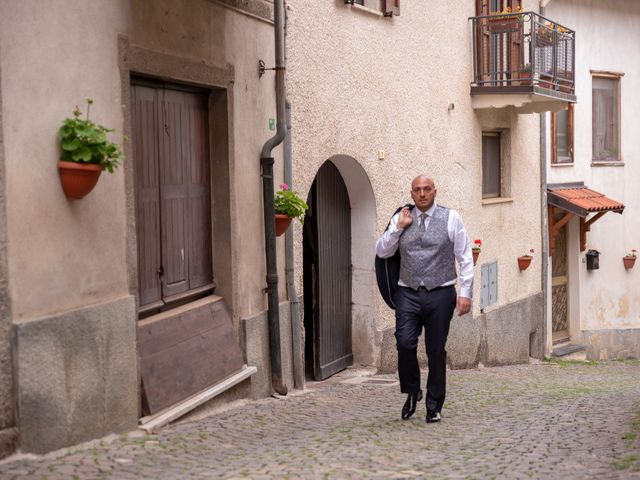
{"x": 172, "y": 183}
{"x": 500, "y": 55}
{"x": 328, "y": 274}
{"x": 560, "y": 286}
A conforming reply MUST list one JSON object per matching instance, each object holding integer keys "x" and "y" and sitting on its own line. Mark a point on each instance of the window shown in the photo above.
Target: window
{"x": 387, "y": 7}
{"x": 562, "y": 136}
{"x": 491, "y": 165}
{"x": 606, "y": 118}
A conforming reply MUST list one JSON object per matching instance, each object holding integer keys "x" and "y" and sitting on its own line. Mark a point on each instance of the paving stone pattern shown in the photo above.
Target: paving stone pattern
{"x": 552, "y": 420}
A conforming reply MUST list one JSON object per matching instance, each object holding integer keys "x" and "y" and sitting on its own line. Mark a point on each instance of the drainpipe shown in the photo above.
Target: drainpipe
{"x": 266, "y": 161}
{"x": 545, "y": 220}
{"x": 296, "y": 333}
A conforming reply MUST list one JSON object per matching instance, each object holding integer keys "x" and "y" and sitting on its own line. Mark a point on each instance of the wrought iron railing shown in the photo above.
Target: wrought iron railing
{"x": 523, "y": 48}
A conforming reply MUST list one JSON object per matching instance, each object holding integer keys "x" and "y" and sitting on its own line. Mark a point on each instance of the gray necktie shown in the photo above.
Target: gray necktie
{"x": 423, "y": 218}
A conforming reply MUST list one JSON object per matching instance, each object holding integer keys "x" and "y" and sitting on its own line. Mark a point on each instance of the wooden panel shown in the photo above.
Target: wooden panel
{"x": 173, "y": 175}
{"x": 144, "y": 121}
{"x": 199, "y": 191}
{"x": 184, "y": 352}
{"x": 333, "y": 327}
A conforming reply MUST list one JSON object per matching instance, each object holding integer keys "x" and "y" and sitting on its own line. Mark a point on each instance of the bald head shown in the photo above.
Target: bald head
{"x": 423, "y": 178}
{"x": 423, "y": 192}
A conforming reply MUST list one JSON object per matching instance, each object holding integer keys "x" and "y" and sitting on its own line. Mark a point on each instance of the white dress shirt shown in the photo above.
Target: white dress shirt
{"x": 388, "y": 244}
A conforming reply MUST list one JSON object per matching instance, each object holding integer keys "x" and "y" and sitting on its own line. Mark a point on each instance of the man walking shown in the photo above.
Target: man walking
{"x": 431, "y": 239}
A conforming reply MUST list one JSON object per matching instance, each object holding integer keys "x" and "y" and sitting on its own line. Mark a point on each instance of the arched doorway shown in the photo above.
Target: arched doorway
{"x": 327, "y": 275}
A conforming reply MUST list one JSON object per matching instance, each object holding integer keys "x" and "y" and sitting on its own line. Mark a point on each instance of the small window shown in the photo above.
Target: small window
{"x": 562, "y": 136}
{"x": 387, "y": 7}
{"x": 491, "y": 165}
{"x": 606, "y": 118}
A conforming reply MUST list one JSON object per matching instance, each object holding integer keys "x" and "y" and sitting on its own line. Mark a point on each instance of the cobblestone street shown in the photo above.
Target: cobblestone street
{"x": 559, "y": 420}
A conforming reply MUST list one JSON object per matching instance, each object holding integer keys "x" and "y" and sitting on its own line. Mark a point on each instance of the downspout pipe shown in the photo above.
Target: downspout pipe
{"x": 266, "y": 162}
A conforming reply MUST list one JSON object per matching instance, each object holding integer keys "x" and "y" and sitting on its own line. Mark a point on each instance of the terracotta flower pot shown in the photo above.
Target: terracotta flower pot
{"x": 524, "y": 261}
{"x": 629, "y": 262}
{"x": 282, "y": 223}
{"x": 78, "y": 179}
{"x": 476, "y": 254}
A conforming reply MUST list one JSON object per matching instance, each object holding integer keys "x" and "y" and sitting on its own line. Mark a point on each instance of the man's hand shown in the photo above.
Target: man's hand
{"x": 463, "y": 306}
{"x": 405, "y": 219}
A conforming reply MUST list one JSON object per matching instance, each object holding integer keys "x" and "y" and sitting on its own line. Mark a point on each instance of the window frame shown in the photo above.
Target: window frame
{"x": 570, "y": 136}
{"x": 498, "y": 134}
{"x": 386, "y": 8}
{"x": 617, "y": 77}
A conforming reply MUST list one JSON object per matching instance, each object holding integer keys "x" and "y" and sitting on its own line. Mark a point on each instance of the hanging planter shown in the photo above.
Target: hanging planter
{"x": 629, "y": 260}
{"x": 524, "y": 261}
{"x": 86, "y": 151}
{"x": 288, "y": 205}
{"x": 78, "y": 179}
{"x": 503, "y": 24}
{"x": 282, "y": 223}
{"x": 475, "y": 250}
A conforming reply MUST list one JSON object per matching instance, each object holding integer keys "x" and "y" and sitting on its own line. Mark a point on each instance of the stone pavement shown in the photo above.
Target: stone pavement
{"x": 558, "y": 420}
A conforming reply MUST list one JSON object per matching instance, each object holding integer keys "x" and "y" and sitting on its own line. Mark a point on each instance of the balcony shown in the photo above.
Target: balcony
{"x": 522, "y": 60}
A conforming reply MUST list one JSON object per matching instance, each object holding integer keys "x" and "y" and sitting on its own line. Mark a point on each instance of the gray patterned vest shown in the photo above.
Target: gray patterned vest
{"x": 427, "y": 256}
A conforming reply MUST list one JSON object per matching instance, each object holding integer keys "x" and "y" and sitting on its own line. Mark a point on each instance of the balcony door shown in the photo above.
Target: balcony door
{"x": 501, "y": 56}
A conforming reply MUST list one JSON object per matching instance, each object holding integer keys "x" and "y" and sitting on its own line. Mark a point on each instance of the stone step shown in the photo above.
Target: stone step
{"x": 568, "y": 349}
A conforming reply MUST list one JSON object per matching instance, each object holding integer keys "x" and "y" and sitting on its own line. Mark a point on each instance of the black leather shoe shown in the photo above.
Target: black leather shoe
{"x": 432, "y": 416}
{"x": 409, "y": 407}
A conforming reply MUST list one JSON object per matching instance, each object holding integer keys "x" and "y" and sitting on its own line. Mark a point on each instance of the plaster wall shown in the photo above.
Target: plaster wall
{"x": 385, "y": 84}
{"x": 608, "y": 297}
{"x": 62, "y": 253}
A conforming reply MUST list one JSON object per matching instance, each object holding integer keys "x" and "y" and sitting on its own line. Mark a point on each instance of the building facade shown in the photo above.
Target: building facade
{"x": 109, "y": 303}
{"x": 591, "y": 150}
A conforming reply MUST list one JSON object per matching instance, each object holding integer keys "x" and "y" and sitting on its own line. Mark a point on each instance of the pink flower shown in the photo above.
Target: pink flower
{"x": 284, "y": 186}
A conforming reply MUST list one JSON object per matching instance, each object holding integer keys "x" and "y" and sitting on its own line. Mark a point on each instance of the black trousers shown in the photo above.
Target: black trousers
{"x": 431, "y": 310}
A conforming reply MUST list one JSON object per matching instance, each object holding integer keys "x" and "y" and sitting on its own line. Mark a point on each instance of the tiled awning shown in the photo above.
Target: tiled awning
{"x": 576, "y": 199}
{"x": 582, "y": 200}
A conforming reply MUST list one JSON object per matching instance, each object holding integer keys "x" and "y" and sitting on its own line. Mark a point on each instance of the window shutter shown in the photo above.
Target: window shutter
{"x": 173, "y": 195}
{"x": 144, "y": 120}
{"x": 391, "y": 7}
{"x": 199, "y": 203}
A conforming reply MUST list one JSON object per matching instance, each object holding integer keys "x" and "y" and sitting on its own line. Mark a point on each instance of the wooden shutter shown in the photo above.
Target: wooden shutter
{"x": 391, "y": 7}
{"x": 199, "y": 191}
{"x": 173, "y": 194}
{"x": 145, "y": 122}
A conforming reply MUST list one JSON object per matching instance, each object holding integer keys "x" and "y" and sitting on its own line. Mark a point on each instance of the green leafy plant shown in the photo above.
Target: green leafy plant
{"x": 82, "y": 141}
{"x": 632, "y": 254}
{"x": 477, "y": 245}
{"x": 288, "y": 202}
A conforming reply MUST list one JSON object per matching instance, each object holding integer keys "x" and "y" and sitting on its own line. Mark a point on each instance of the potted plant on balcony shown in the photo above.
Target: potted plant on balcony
{"x": 523, "y": 75}
{"x": 501, "y": 22}
{"x": 629, "y": 259}
{"x": 288, "y": 205}
{"x": 565, "y": 80}
{"x": 86, "y": 151}
{"x": 475, "y": 250}
{"x": 525, "y": 260}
